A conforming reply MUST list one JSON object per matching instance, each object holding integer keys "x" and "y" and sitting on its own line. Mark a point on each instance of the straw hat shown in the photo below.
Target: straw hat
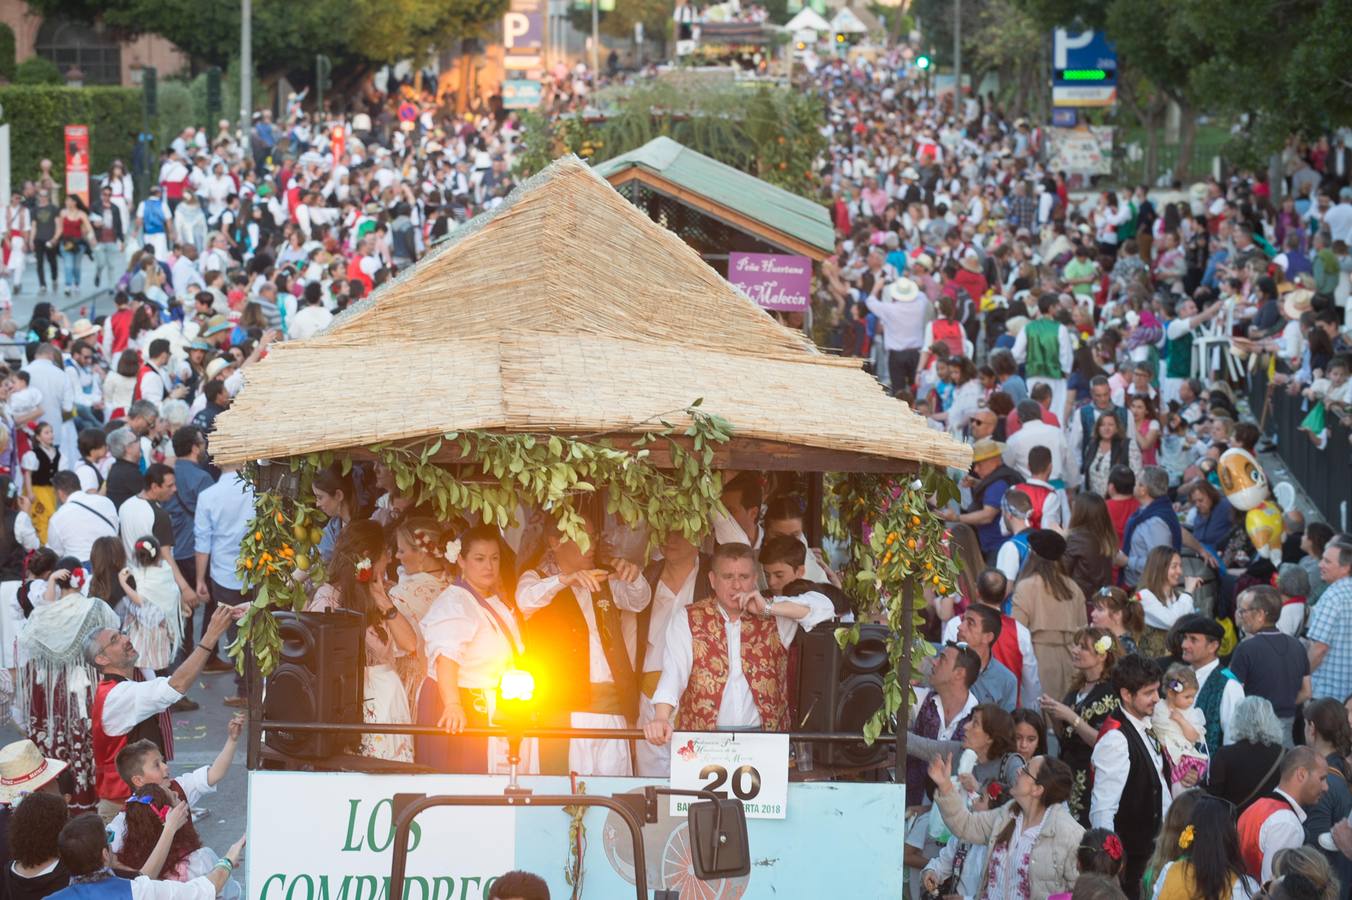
{"x": 215, "y": 325}
{"x": 23, "y": 769}
{"x": 903, "y": 290}
{"x": 910, "y": 174}
{"x": 985, "y": 449}
{"x": 214, "y": 368}
{"x": 1014, "y": 324}
{"x": 83, "y": 328}
{"x": 923, "y": 261}
{"x": 971, "y": 262}
{"x": 1297, "y": 302}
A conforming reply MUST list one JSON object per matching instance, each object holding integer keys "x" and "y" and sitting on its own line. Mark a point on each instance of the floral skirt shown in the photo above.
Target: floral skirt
{"x": 386, "y": 701}
{"x": 69, "y": 738}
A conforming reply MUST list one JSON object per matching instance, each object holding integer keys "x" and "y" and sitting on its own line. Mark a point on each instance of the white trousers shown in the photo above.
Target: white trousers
{"x": 17, "y": 261}
{"x": 653, "y": 761}
{"x": 588, "y": 756}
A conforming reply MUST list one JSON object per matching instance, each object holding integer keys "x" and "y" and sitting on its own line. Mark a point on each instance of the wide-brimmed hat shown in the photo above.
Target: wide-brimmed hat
{"x": 1015, "y": 324}
{"x": 971, "y": 262}
{"x": 910, "y": 174}
{"x": 903, "y": 290}
{"x": 1298, "y": 302}
{"x": 923, "y": 261}
{"x": 83, "y": 328}
{"x": 214, "y": 368}
{"x": 215, "y": 325}
{"x": 23, "y": 769}
{"x": 985, "y": 449}
{"x": 199, "y": 344}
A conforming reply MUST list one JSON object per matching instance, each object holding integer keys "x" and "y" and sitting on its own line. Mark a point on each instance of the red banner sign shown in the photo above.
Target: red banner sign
{"x": 77, "y": 162}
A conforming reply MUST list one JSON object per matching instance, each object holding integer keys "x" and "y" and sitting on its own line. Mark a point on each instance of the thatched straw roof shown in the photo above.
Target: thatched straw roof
{"x": 568, "y": 310}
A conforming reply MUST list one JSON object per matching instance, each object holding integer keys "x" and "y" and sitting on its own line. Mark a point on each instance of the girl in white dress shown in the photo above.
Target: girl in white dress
{"x": 422, "y": 549}
{"x": 154, "y": 615}
{"x": 472, "y": 635}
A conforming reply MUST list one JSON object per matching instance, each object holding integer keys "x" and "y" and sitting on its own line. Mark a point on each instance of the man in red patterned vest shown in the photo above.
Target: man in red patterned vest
{"x": 726, "y": 662}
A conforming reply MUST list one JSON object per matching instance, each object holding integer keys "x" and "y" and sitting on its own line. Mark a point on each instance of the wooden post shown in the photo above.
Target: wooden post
{"x": 816, "y": 498}
{"x": 253, "y": 683}
{"x": 904, "y": 677}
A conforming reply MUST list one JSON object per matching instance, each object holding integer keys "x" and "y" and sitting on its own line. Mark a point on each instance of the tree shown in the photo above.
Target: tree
{"x": 1011, "y": 43}
{"x": 287, "y": 33}
{"x": 7, "y": 64}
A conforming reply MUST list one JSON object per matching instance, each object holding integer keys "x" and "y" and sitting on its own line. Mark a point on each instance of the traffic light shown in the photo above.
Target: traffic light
{"x": 922, "y": 62}
{"x": 213, "y": 90}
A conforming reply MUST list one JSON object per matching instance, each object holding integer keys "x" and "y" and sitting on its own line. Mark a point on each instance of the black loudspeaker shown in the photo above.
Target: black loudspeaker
{"x": 840, "y": 690}
{"x": 319, "y": 678}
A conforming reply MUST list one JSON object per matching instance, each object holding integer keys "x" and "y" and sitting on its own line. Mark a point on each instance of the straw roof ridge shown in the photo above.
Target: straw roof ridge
{"x": 601, "y": 267}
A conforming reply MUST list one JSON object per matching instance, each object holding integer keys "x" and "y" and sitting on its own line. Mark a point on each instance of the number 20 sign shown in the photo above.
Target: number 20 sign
{"x": 753, "y": 768}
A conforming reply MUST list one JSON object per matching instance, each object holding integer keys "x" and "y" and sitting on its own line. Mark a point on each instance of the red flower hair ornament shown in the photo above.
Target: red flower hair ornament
{"x": 1112, "y": 845}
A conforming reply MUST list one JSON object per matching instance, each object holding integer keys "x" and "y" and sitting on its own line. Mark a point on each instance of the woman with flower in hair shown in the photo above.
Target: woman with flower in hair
{"x": 1118, "y": 614}
{"x": 357, "y": 583}
{"x": 472, "y": 634}
{"x": 148, "y": 812}
{"x": 426, "y": 558}
{"x": 56, "y": 681}
{"x": 1208, "y": 865}
{"x": 1077, "y": 719}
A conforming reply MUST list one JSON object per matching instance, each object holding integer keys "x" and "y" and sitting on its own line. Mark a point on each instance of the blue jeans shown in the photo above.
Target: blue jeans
{"x": 70, "y": 266}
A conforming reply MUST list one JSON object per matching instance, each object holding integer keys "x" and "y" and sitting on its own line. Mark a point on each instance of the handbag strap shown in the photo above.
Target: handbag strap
{"x": 1262, "y": 781}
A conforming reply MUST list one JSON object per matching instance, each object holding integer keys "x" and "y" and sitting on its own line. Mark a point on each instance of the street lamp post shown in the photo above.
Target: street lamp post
{"x": 245, "y": 65}
{"x": 596, "y": 42}
{"x": 957, "y": 56}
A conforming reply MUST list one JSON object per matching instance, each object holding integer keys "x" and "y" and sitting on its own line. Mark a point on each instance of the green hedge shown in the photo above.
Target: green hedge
{"x": 37, "y": 70}
{"x": 39, "y": 114}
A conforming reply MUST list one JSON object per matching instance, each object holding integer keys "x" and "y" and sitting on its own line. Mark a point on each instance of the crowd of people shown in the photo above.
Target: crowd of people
{"x": 1135, "y": 690}
{"x": 1130, "y": 695}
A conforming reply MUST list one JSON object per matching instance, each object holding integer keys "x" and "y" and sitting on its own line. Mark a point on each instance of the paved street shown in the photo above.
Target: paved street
{"x": 97, "y": 301}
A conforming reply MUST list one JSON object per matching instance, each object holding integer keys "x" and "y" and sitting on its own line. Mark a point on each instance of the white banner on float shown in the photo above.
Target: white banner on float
{"x": 328, "y": 835}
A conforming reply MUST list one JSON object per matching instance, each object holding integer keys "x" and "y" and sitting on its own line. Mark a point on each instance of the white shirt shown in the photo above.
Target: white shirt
{"x": 665, "y": 604}
{"x": 76, "y": 524}
{"x": 130, "y": 703}
{"x": 1030, "y": 684}
{"x": 1231, "y": 696}
{"x": 1036, "y": 434}
{"x": 459, "y": 628}
{"x": 136, "y": 519}
{"x": 1007, "y": 561}
{"x": 154, "y": 385}
{"x": 143, "y": 888}
{"x": 186, "y": 277}
{"x": 534, "y": 593}
{"x": 1284, "y": 828}
{"x": 1112, "y": 765}
{"x": 946, "y": 726}
{"x": 308, "y": 322}
{"x": 737, "y": 708}
{"x": 1157, "y": 615}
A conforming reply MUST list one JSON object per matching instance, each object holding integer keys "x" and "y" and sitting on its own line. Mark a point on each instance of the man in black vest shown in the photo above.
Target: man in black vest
{"x": 1131, "y": 776}
{"x": 583, "y": 648}
{"x": 678, "y": 579}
